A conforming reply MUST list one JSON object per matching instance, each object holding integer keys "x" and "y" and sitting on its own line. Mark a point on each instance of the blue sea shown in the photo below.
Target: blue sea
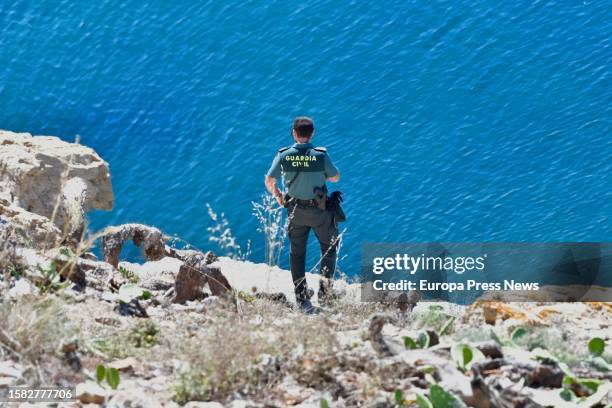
{"x": 449, "y": 120}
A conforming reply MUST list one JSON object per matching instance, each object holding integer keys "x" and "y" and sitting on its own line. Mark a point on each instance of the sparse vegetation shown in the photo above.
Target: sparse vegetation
{"x": 466, "y": 355}
{"x": 550, "y": 339}
{"x": 270, "y": 217}
{"x": 130, "y": 342}
{"x": 32, "y": 331}
{"x": 252, "y": 353}
{"x": 129, "y": 275}
{"x": 221, "y": 234}
{"x": 435, "y": 317}
{"x": 10, "y": 263}
{"x": 49, "y": 279}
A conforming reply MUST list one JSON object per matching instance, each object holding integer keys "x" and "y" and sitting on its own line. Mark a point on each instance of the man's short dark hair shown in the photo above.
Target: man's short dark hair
{"x": 303, "y": 126}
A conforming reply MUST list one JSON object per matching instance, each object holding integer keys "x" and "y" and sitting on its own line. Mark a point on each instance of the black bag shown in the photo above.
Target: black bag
{"x": 334, "y": 204}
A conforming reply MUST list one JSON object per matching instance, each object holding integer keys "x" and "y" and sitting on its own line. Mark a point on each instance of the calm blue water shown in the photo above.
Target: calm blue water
{"x": 449, "y": 121}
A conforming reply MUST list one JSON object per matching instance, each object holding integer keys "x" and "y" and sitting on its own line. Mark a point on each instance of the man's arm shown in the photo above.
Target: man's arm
{"x": 331, "y": 172}
{"x": 335, "y": 178}
{"x": 273, "y": 189}
{"x": 270, "y": 180}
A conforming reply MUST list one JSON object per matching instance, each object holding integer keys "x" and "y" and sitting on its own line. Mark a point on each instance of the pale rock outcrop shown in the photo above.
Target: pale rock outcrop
{"x": 27, "y": 228}
{"x": 70, "y": 267}
{"x": 56, "y": 180}
{"x": 46, "y": 187}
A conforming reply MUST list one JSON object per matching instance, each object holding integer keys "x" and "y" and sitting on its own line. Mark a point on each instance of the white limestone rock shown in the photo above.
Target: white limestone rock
{"x": 48, "y": 177}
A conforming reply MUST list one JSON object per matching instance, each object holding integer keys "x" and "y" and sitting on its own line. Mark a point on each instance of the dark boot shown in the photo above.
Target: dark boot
{"x": 302, "y": 299}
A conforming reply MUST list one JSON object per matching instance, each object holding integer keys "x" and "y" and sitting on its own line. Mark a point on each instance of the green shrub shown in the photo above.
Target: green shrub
{"x": 142, "y": 335}
{"x": 129, "y": 275}
{"x": 49, "y": 279}
{"x": 436, "y": 318}
{"x": 108, "y": 374}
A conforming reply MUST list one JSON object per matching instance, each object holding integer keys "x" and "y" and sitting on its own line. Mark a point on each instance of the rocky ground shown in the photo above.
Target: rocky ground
{"x": 186, "y": 328}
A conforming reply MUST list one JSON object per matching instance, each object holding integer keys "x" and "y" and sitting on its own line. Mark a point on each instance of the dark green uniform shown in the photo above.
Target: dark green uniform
{"x": 305, "y": 168}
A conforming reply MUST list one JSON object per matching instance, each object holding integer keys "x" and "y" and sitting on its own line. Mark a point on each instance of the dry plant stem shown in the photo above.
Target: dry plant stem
{"x": 270, "y": 217}
{"x": 221, "y": 234}
{"x": 9, "y": 343}
{"x": 338, "y": 240}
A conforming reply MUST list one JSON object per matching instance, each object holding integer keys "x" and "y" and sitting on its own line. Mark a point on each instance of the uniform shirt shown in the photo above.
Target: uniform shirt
{"x": 312, "y": 163}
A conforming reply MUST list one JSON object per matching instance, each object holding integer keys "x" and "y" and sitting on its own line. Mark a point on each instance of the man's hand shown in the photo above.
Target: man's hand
{"x": 280, "y": 200}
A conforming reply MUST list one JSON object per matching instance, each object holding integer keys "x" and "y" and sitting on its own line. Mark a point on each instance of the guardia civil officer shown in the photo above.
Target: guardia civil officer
{"x": 305, "y": 169}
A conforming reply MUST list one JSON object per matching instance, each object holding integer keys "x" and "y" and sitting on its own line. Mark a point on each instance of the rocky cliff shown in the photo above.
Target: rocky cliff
{"x": 49, "y": 184}
{"x": 187, "y": 327}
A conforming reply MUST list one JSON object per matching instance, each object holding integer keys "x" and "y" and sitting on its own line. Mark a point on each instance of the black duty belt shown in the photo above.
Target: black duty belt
{"x": 305, "y": 203}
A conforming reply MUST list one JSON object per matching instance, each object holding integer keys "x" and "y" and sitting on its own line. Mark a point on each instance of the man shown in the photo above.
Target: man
{"x": 305, "y": 169}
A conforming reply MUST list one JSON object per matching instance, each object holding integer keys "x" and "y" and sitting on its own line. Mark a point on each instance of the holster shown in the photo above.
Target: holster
{"x": 321, "y": 200}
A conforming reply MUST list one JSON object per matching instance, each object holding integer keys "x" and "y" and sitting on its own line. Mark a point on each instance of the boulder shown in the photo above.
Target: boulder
{"x": 191, "y": 279}
{"x": 189, "y": 284}
{"x": 149, "y": 238}
{"x": 195, "y": 272}
{"x": 69, "y": 268}
{"x": 57, "y": 180}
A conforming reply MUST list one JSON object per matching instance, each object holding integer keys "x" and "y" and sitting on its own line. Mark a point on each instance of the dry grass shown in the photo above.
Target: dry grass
{"x": 32, "y": 332}
{"x": 10, "y": 264}
{"x": 252, "y": 351}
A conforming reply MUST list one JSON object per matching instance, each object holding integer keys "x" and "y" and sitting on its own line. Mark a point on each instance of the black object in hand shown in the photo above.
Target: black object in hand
{"x": 336, "y": 197}
{"x": 333, "y": 204}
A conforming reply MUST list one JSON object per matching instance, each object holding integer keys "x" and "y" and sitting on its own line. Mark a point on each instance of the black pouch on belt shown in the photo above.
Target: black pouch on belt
{"x": 321, "y": 197}
{"x": 288, "y": 201}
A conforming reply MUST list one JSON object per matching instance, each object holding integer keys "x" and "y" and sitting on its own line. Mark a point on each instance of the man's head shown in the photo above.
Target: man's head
{"x": 303, "y": 129}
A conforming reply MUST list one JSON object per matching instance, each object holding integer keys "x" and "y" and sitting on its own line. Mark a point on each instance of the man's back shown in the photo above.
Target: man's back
{"x": 304, "y": 168}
